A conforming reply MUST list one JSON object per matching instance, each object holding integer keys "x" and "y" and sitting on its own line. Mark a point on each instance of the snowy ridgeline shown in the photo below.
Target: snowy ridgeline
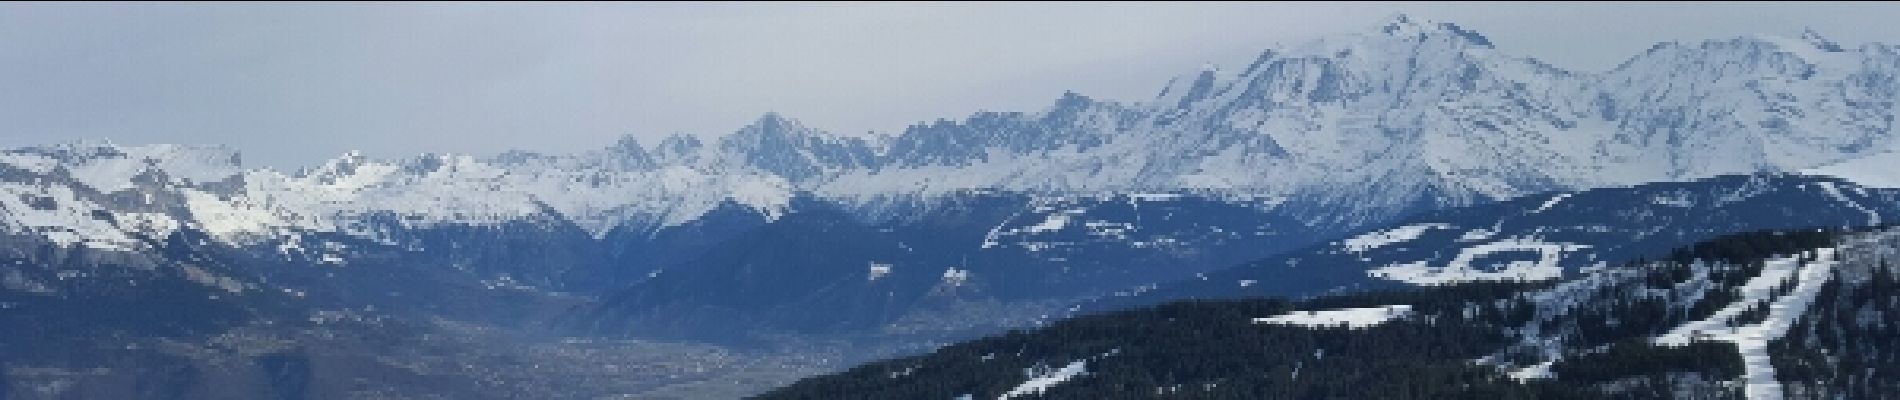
{"x": 1329, "y": 116}
{"x": 1354, "y": 318}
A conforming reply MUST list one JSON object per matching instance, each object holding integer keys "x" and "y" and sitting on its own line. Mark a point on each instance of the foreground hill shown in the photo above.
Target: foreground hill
{"x": 1760, "y": 315}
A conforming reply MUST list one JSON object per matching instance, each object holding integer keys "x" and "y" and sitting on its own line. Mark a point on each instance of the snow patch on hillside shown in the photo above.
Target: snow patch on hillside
{"x": 1873, "y": 218}
{"x": 59, "y": 215}
{"x": 35, "y": 163}
{"x": 1460, "y": 268}
{"x": 1551, "y": 203}
{"x": 1383, "y": 238}
{"x": 1353, "y": 318}
{"x": 1536, "y": 371}
{"x": 1808, "y": 272}
{"x": 232, "y": 221}
{"x": 109, "y": 168}
{"x": 1041, "y": 381}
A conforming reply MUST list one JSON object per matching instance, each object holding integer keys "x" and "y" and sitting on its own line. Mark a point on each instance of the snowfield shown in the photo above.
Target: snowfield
{"x": 1039, "y": 383}
{"x": 1352, "y": 318}
{"x": 1383, "y": 238}
{"x": 1461, "y": 269}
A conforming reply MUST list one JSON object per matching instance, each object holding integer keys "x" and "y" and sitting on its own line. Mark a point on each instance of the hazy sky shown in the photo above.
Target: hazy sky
{"x": 293, "y": 84}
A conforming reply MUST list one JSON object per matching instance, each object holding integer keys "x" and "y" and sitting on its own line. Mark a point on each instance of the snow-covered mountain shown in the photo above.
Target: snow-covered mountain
{"x": 1306, "y": 143}
{"x": 1343, "y": 131}
{"x": 1466, "y": 163}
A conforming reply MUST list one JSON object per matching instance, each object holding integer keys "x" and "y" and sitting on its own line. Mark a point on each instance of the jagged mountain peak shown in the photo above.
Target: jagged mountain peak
{"x": 343, "y": 165}
{"x": 629, "y": 143}
{"x": 428, "y": 163}
{"x": 1405, "y": 26}
{"x": 677, "y": 148}
{"x": 1752, "y": 51}
{"x": 1188, "y": 88}
{"x": 784, "y": 147}
{"x": 773, "y": 119}
{"x": 773, "y": 123}
{"x": 1399, "y": 20}
{"x": 1072, "y": 102}
{"x": 1812, "y": 37}
{"x": 627, "y": 152}
{"x": 773, "y": 129}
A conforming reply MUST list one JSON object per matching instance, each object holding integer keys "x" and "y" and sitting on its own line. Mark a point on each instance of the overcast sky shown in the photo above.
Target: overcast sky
{"x": 293, "y": 84}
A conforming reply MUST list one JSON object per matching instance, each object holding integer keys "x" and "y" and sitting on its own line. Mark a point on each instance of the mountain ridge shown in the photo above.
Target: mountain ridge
{"x": 1459, "y": 123}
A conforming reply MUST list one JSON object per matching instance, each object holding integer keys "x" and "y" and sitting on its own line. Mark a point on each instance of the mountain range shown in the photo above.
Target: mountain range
{"x": 1342, "y": 131}
{"x": 1414, "y": 153}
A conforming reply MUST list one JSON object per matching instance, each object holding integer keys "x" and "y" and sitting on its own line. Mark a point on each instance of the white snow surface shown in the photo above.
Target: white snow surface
{"x": 1354, "y": 318}
{"x": 1808, "y": 271}
{"x": 1374, "y": 240}
{"x": 1873, "y": 218}
{"x": 113, "y": 172}
{"x": 1551, "y": 203}
{"x": 61, "y": 216}
{"x": 1460, "y": 268}
{"x": 1039, "y": 383}
{"x": 1536, "y": 371}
